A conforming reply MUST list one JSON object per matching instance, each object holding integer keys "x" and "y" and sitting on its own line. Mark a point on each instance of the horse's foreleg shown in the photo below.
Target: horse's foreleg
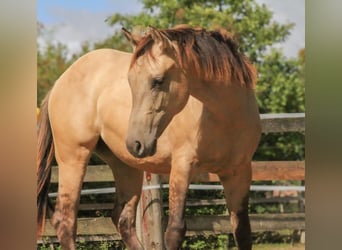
{"x": 128, "y": 182}
{"x": 236, "y": 188}
{"x": 179, "y": 183}
{"x": 72, "y": 166}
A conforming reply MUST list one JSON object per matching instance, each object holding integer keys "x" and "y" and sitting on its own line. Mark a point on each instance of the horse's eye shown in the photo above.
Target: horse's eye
{"x": 157, "y": 82}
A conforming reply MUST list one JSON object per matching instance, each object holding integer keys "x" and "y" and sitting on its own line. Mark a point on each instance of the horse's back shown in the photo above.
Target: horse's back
{"x": 93, "y": 66}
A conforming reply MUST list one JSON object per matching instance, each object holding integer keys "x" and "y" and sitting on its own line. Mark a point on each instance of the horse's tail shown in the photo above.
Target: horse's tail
{"x": 45, "y": 154}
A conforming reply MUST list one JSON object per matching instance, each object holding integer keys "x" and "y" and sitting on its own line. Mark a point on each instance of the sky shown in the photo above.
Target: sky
{"x": 73, "y": 21}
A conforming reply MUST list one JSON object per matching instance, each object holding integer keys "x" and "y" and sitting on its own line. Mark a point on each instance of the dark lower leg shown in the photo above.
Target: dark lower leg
{"x": 176, "y": 228}
{"x": 241, "y": 227}
{"x": 124, "y": 216}
{"x": 64, "y": 221}
{"x": 236, "y": 189}
{"x": 128, "y": 187}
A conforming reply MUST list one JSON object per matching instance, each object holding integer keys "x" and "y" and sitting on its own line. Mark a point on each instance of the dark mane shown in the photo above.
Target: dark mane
{"x": 213, "y": 55}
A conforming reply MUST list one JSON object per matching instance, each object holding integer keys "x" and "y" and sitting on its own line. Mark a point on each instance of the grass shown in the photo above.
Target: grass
{"x": 111, "y": 246}
{"x": 282, "y": 246}
{"x": 281, "y": 240}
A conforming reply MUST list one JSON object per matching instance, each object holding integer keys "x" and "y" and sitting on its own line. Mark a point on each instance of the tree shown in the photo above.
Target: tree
{"x": 281, "y": 84}
{"x": 249, "y": 21}
{"x": 52, "y": 61}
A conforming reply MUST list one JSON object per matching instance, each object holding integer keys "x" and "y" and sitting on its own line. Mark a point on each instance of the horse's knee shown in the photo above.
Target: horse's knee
{"x": 174, "y": 235}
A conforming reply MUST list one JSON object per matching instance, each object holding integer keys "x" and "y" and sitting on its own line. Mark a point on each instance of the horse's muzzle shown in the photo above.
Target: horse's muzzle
{"x": 140, "y": 150}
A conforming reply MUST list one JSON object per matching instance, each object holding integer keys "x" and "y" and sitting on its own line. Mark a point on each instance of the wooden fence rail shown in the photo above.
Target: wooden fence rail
{"x": 293, "y": 122}
{"x": 150, "y": 231}
{"x": 262, "y": 170}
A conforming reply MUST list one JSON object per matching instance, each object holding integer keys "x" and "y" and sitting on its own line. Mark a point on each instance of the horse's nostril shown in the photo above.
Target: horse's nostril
{"x": 137, "y": 147}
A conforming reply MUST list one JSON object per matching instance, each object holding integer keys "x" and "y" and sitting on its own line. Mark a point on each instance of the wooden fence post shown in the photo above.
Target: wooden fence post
{"x": 149, "y": 214}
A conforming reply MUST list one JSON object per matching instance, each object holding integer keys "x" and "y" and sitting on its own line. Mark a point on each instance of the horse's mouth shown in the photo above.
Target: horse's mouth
{"x": 153, "y": 147}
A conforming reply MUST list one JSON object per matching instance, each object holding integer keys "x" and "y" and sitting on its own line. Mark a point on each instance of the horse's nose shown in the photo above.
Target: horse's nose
{"x": 138, "y": 148}
{"x": 141, "y": 149}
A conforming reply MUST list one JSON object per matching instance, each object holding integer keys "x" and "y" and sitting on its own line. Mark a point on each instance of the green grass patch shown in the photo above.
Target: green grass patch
{"x": 282, "y": 246}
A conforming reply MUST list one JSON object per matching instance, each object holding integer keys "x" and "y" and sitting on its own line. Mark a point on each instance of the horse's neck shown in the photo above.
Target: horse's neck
{"x": 222, "y": 102}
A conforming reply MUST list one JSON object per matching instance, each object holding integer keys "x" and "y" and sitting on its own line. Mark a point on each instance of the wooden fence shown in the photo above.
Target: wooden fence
{"x": 151, "y": 220}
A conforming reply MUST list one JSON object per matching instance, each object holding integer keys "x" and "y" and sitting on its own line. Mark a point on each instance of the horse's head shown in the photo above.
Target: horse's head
{"x": 159, "y": 90}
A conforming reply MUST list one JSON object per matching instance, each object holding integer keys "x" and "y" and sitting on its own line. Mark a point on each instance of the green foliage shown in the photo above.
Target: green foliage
{"x": 204, "y": 242}
{"x": 251, "y": 22}
{"x": 280, "y": 86}
{"x": 51, "y": 63}
{"x": 281, "y": 146}
{"x": 83, "y": 245}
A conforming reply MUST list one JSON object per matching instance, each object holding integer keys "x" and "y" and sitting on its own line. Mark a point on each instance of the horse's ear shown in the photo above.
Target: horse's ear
{"x": 133, "y": 39}
{"x": 160, "y": 38}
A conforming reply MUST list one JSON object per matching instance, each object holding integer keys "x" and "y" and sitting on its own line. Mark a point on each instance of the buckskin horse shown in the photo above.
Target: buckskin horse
{"x": 183, "y": 102}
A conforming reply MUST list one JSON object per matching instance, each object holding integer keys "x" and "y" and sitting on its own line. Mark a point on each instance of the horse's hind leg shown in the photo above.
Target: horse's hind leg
{"x": 236, "y": 189}
{"x": 72, "y": 161}
{"x": 128, "y": 183}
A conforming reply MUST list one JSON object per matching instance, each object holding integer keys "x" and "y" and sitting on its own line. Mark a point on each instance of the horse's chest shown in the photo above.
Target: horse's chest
{"x": 213, "y": 151}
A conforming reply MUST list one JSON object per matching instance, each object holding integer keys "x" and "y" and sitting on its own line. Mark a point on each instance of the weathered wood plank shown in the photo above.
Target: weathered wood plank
{"x": 262, "y": 222}
{"x": 81, "y": 238}
{"x": 273, "y": 222}
{"x": 95, "y": 173}
{"x": 95, "y": 206}
{"x": 262, "y": 170}
{"x": 87, "y": 226}
{"x": 195, "y": 203}
{"x": 214, "y": 202}
{"x": 211, "y": 224}
{"x": 287, "y": 122}
{"x": 278, "y": 170}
